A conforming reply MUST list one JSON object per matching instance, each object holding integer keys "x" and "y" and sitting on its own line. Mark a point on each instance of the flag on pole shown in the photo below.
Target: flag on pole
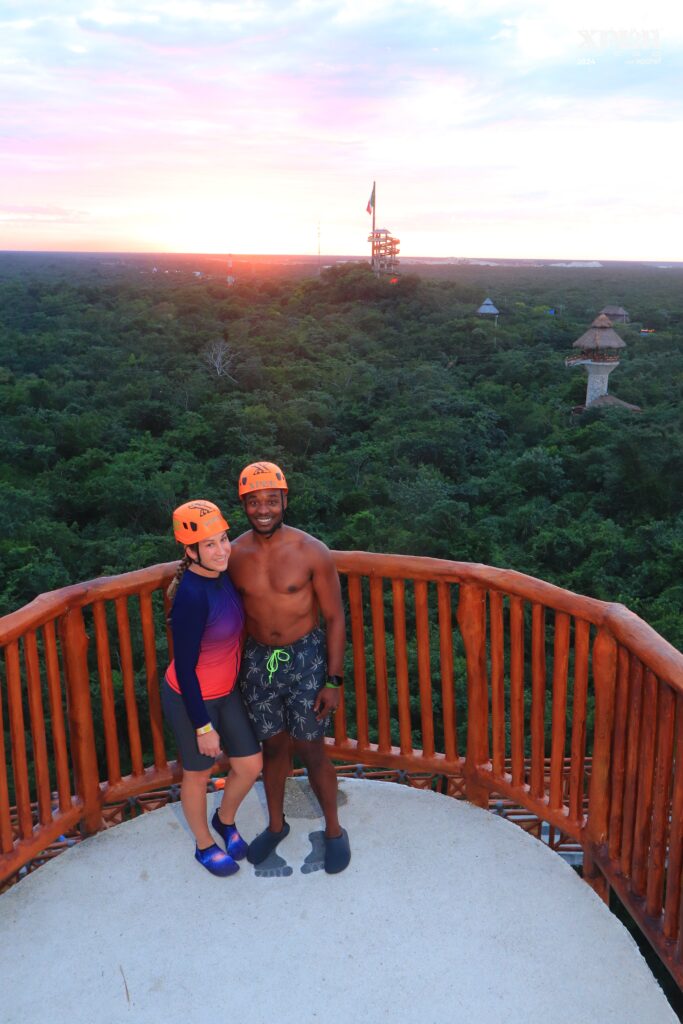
{"x": 371, "y": 201}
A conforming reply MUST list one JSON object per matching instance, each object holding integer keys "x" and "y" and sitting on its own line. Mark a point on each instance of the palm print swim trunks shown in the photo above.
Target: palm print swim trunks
{"x": 280, "y": 684}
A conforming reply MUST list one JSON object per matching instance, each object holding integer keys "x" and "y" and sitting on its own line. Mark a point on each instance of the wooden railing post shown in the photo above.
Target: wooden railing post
{"x": 596, "y": 830}
{"x": 472, "y": 622}
{"x": 81, "y": 729}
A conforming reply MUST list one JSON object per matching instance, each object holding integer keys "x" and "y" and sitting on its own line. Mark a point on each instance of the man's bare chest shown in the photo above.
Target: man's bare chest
{"x": 260, "y": 578}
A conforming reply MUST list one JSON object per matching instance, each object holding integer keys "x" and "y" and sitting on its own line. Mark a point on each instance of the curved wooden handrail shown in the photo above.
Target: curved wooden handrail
{"x": 57, "y": 602}
{"x": 627, "y": 627}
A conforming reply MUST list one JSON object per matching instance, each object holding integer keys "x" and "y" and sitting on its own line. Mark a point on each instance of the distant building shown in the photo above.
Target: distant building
{"x": 488, "y": 309}
{"x": 385, "y": 250}
{"x": 617, "y": 314}
{"x": 599, "y": 353}
{"x": 579, "y": 263}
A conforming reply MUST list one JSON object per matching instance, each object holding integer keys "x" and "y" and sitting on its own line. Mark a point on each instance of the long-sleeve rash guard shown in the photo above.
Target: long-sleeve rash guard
{"x": 207, "y": 620}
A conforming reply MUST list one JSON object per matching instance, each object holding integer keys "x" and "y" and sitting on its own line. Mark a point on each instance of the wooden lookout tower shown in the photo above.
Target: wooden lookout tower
{"x": 384, "y": 247}
{"x": 385, "y": 250}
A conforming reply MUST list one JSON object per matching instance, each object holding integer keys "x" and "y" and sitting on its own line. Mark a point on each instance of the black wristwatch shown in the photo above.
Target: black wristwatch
{"x": 334, "y": 682}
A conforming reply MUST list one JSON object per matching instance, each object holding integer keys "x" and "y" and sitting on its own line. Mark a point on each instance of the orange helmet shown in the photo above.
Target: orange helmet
{"x": 261, "y": 476}
{"x": 197, "y": 520}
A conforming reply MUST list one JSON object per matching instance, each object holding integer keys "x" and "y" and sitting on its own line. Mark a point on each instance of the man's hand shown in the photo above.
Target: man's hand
{"x": 326, "y": 702}
{"x": 209, "y": 744}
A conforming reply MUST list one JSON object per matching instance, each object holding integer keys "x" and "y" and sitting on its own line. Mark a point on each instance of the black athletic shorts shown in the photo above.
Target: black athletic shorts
{"x": 228, "y": 718}
{"x": 280, "y": 685}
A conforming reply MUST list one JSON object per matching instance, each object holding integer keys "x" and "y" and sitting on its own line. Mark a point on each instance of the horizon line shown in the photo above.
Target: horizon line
{"x": 313, "y": 257}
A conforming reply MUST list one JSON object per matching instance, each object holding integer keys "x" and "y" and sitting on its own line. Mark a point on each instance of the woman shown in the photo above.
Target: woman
{"x": 199, "y": 695}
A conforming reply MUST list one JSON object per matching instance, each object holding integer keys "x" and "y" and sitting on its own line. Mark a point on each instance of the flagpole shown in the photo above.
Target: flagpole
{"x": 374, "y": 205}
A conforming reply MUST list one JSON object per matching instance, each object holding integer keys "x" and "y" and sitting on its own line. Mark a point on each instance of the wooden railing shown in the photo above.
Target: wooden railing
{"x": 506, "y": 682}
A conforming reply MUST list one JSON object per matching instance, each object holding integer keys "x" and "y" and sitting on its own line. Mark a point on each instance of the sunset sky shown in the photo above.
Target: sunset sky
{"x": 530, "y": 129}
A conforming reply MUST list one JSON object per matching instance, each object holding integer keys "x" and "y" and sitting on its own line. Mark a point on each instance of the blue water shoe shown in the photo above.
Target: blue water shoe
{"x": 215, "y": 861}
{"x": 234, "y": 844}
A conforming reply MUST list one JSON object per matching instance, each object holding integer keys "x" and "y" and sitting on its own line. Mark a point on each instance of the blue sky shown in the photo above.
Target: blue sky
{"x": 528, "y": 129}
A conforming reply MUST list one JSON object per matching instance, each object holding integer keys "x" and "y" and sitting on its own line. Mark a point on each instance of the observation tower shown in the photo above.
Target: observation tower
{"x": 477, "y": 700}
{"x": 487, "y": 309}
{"x": 384, "y": 248}
{"x": 599, "y": 352}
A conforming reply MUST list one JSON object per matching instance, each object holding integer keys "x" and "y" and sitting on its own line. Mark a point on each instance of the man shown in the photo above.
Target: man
{"x": 292, "y": 669}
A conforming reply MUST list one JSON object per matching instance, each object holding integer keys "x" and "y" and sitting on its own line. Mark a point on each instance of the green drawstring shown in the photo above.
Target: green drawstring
{"x": 278, "y": 655}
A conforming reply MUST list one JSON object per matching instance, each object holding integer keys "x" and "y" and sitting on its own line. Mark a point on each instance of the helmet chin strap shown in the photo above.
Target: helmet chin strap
{"x": 198, "y": 559}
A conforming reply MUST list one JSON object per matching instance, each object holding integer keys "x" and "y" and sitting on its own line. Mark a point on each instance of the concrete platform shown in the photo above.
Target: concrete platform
{"x": 446, "y": 915}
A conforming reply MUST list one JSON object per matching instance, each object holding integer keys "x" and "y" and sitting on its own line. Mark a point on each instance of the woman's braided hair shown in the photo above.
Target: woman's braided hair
{"x": 183, "y": 564}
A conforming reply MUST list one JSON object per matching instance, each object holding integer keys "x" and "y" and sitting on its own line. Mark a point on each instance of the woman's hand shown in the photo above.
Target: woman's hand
{"x": 209, "y": 744}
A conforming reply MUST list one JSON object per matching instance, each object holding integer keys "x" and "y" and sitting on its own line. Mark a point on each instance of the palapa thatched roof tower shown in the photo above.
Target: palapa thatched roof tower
{"x": 599, "y": 353}
{"x": 617, "y": 314}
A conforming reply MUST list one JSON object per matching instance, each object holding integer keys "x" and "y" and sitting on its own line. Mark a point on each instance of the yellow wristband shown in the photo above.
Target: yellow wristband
{"x": 202, "y": 731}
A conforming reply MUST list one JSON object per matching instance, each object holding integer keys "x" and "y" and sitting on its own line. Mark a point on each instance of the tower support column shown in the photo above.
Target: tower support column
{"x": 598, "y": 374}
